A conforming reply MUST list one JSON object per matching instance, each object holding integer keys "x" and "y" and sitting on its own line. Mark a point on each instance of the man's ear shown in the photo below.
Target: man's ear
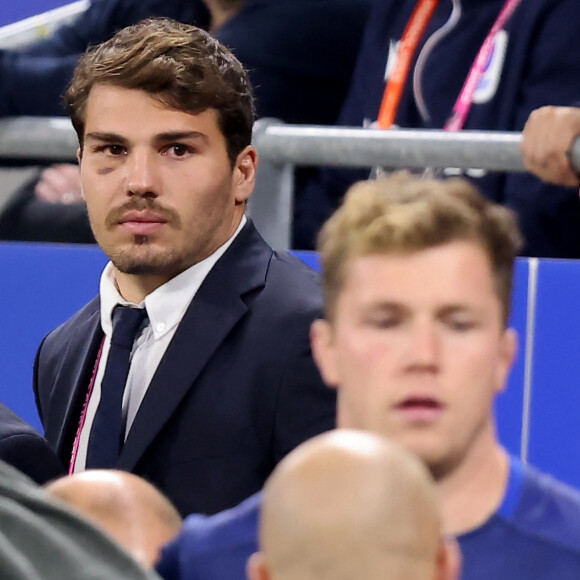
{"x": 79, "y": 159}
{"x": 508, "y": 351}
{"x": 448, "y": 560}
{"x": 256, "y": 568}
{"x": 244, "y": 176}
{"x": 321, "y": 342}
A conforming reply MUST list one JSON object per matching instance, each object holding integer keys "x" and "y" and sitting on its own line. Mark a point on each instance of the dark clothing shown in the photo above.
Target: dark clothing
{"x": 236, "y": 390}
{"x": 299, "y": 53}
{"x": 536, "y": 61}
{"x": 33, "y": 80}
{"x": 26, "y": 449}
{"x": 535, "y": 535}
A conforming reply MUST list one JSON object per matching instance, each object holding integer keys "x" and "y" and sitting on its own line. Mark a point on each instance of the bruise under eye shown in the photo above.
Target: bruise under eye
{"x": 104, "y": 171}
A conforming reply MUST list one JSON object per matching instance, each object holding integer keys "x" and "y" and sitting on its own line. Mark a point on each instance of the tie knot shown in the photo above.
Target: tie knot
{"x": 126, "y": 323}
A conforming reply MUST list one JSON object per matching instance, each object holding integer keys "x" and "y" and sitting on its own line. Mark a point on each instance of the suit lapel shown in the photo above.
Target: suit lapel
{"x": 72, "y": 382}
{"x": 216, "y": 308}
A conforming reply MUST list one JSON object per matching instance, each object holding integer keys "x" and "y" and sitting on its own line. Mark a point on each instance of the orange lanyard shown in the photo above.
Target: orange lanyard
{"x": 411, "y": 36}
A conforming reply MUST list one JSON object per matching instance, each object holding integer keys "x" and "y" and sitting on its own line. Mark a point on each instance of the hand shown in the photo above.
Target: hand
{"x": 547, "y": 136}
{"x": 59, "y": 184}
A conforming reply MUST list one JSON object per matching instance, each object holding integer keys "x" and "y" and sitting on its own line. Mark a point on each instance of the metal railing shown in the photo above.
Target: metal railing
{"x": 37, "y": 138}
{"x": 411, "y": 148}
{"x": 282, "y": 146}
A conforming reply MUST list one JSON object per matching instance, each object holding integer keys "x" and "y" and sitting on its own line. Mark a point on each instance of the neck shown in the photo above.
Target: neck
{"x": 221, "y": 11}
{"x": 475, "y": 489}
{"x": 134, "y": 288}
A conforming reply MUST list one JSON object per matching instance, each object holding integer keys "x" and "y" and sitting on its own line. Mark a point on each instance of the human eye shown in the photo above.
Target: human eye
{"x": 384, "y": 320}
{"x": 178, "y": 150}
{"x": 110, "y": 149}
{"x": 461, "y": 322}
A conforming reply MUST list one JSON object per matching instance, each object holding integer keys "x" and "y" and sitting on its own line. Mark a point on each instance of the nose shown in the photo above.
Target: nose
{"x": 424, "y": 347}
{"x": 140, "y": 176}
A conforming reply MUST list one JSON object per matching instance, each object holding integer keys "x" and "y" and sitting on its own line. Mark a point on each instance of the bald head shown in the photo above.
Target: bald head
{"x": 349, "y": 505}
{"x": 127, "y": 507}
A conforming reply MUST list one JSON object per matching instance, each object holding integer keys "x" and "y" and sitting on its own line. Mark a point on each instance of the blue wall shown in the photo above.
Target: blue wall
{"x": 538, "y": 414}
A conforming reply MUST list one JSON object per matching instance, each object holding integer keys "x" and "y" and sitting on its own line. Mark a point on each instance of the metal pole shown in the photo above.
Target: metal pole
{"x": 409, "y": 148}
{"x": 38, "y": 138}
{"x": 52, "y": 138}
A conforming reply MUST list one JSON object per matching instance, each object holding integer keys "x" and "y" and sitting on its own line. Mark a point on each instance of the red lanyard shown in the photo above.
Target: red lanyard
{"x": 411, "y": 36}
{"x": 414, "y": 30}
{"x": 77, "y": 440}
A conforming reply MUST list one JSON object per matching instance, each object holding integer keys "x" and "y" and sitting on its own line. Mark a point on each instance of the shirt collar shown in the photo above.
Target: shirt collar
{"x": 168, "y": 303}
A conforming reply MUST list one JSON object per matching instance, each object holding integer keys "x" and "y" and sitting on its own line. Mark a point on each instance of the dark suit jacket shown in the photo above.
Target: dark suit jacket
{"x": 25, "y": 448}
{"x": 236, "y": 390}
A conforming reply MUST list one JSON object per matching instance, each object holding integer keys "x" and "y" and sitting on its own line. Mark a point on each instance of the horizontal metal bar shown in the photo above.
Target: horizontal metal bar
{"x": 53, "y": 138}
{"x": 409, "y": 148}
{"x": 38, "y": 138}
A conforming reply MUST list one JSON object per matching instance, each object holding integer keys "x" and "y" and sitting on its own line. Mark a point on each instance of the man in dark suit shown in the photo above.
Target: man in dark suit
{"x": 222, "y": 383}
{"x": 25, "y": 448}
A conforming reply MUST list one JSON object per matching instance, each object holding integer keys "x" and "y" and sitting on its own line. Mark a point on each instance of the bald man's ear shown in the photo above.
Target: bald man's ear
{"x": 256, "y": 568}
{"x": 448, "y": 560}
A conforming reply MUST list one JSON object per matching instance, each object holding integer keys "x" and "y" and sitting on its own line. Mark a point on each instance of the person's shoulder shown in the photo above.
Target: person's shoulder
{"x": 83, "y": 315}
{"x": 12, "y": 424}
{"x": 539, "y": 538}
{"x": 285, "y": 283}
{"x": 42, "y": 538}
{"x": 226, "y": 527}
{"x": 215, "y": 546}
{"x": 293, "y": 283}
{"x": 549, "y": 509}
{"x": 285, "y": 263}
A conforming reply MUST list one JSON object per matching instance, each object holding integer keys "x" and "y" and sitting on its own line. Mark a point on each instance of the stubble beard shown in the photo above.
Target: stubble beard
{"x": 139, "y": 257}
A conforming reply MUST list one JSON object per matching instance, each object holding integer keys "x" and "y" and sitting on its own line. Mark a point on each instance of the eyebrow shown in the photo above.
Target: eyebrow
{"x": 459, "y": 308}
{"x": 160, "y": 138}
{"x": 180, "y": 135}
{"x": 106, "y": 137}
{"x": 445, "y": 309}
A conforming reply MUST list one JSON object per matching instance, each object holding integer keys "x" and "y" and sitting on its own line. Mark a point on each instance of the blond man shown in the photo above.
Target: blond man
{"x": 415, "y": 339}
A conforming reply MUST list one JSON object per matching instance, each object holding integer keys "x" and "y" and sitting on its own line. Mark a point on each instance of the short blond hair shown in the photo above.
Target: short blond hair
{"x": 402, "y": 213}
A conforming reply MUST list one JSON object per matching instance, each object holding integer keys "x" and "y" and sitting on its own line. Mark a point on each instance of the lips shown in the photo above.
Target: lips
{"x": 420, "y": 408}
{"x": 142, "y": 223}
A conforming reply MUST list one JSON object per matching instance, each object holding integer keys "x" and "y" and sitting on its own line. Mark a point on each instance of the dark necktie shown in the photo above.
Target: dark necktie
{"x": 107, "y": 432}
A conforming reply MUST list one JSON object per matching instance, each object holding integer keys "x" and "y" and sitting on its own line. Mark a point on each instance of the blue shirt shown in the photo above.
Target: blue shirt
{"x": 214, "y": 547}
{"x": 534, "y": 535}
